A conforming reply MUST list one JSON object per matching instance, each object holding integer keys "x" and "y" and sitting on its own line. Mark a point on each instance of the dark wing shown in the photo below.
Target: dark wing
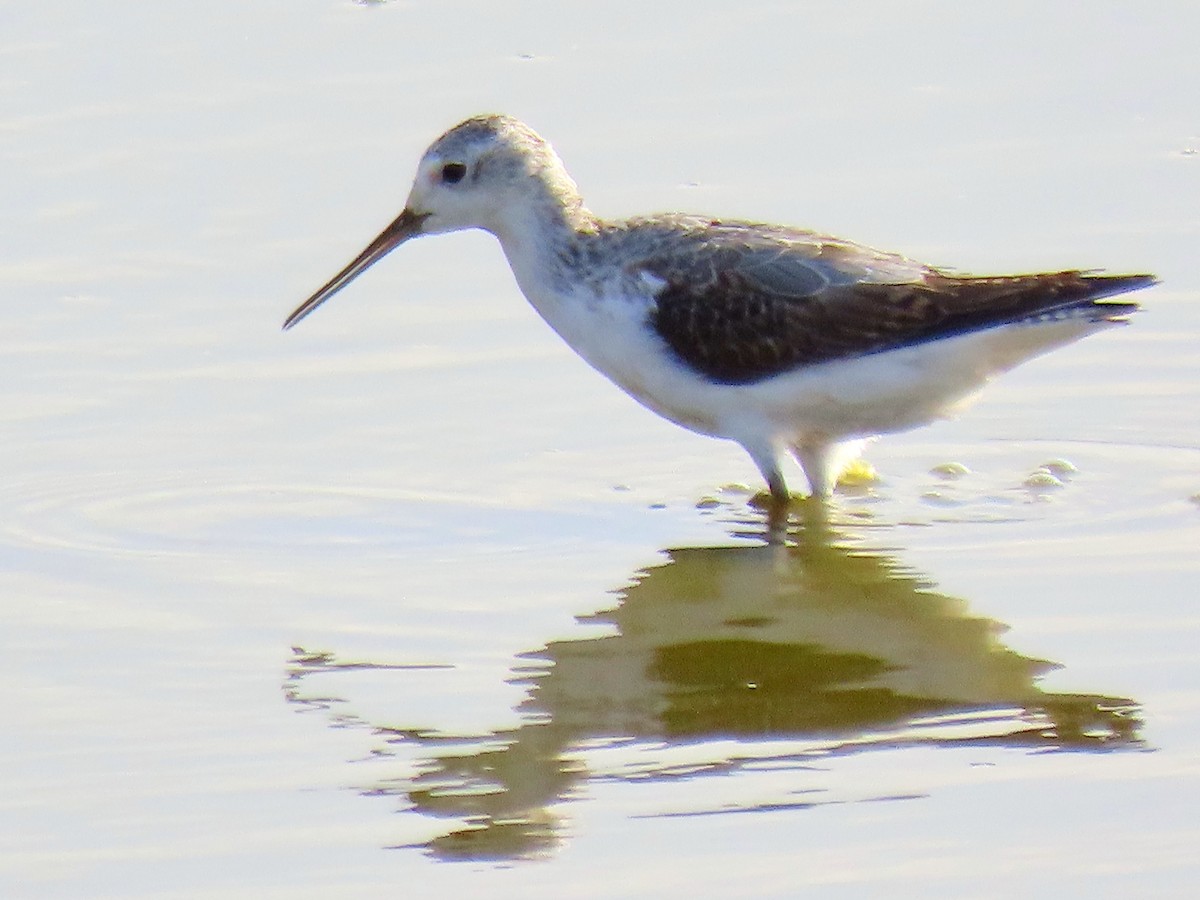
{"x": 742, "y": 309}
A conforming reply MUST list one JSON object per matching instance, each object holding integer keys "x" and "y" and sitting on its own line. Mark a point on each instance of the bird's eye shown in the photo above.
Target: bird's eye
{"x": 452, "y": 173}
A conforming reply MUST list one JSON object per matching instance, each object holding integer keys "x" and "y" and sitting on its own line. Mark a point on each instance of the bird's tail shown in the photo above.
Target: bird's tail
{"x": 983, "y": 301}
{"x": 1094, "y": 288}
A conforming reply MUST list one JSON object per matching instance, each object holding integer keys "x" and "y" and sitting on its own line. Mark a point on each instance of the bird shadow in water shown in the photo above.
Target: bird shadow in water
{"x": 793, "y": 651}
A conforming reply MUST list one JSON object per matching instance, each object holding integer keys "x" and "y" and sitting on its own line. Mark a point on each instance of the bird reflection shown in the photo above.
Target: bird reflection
{"x": 790, "y": 652}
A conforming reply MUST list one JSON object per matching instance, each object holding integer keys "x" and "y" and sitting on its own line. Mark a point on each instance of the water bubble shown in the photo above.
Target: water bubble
{"x": 950, "y": 471}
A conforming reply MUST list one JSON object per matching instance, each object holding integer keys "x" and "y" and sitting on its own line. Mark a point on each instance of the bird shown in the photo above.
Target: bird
{"x": 784, "y": 340}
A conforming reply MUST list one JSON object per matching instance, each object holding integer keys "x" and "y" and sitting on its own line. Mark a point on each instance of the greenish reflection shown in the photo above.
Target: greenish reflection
{"x": 787, "y": 652}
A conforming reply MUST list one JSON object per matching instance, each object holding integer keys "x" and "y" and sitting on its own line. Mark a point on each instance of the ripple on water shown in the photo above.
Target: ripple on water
{"x": 1088, "y": 486}
{"x": 173, "y": 517}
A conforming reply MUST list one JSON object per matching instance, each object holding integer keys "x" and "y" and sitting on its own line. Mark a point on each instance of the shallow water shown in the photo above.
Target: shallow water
{"x": 409, "y": 600}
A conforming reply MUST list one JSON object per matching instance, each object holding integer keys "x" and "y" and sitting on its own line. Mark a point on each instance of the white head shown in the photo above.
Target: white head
{"x": 483, "y": 173}
{"x": 482, "y": 167}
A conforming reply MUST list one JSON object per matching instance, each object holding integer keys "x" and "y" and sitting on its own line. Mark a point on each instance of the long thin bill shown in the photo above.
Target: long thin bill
{"x": 407, "y": 225}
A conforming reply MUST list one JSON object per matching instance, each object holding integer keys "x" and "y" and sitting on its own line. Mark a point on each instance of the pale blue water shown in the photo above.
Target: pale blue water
{"x": 412, "y": 577}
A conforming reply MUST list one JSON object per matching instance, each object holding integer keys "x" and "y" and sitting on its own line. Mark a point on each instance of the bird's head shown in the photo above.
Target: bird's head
{"x": 486, "y": 172}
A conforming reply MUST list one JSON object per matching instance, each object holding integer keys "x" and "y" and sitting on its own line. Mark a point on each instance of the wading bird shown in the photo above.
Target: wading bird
{"x": 781, "y": 339}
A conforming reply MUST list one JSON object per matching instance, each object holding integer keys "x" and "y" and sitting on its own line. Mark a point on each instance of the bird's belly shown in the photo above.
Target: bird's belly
{"x": 850, "y": 398}
{"x": 844, "y": 399}
{"x": 907, "y": 387}
{"x": 613, "y": 336}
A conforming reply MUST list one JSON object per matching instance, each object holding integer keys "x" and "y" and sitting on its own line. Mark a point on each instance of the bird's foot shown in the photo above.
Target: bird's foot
{"x": 859, "y": 475}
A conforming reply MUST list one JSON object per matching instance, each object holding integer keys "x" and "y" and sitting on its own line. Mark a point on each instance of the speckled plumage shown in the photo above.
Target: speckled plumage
{"x": 778, "y": 338}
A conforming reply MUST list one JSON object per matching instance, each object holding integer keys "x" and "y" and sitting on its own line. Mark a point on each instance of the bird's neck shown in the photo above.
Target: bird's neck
{"x": 543, "y": 240}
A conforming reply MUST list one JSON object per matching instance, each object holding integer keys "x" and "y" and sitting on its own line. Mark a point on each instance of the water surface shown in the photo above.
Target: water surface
{"x": 409, "y": 597}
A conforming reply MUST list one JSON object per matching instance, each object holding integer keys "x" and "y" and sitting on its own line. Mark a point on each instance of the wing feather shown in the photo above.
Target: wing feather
{"x": 742, "y": 303}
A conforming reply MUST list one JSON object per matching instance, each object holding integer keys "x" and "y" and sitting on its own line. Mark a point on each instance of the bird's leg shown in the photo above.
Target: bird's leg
{"x": 766, "y": 457}
{"x": 815, "y": 460}
{"x": 824, "y": 463}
